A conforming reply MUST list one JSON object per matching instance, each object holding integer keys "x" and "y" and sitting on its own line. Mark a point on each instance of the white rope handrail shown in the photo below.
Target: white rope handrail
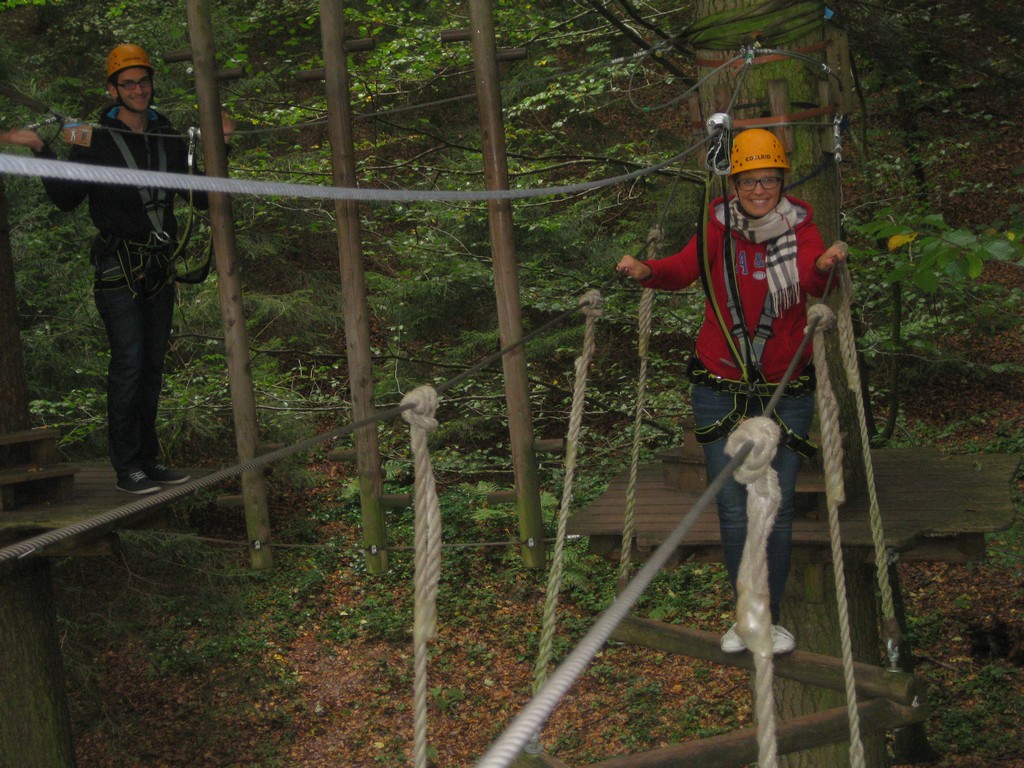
{"x": 591, "y": 307}
{"x": 427, "y": 534}
{"x": 753, "y": 612}
{"x": 832, "y": 454}
{"x": 626, "y": 548}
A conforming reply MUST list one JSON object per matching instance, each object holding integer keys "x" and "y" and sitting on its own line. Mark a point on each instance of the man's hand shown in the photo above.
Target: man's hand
{"x": 22, "y": 137}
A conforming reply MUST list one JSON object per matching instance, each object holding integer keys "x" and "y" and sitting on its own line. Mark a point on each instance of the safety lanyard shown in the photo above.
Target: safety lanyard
{"x": 154, "y": 204}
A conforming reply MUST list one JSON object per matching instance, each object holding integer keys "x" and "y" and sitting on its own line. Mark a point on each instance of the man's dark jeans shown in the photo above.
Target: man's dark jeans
{"x": 138, "y": 320}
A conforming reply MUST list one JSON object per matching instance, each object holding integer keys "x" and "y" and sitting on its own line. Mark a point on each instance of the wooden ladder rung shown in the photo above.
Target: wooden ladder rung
{"x": 29, "y": 435}
{"x": 28, "y": 473}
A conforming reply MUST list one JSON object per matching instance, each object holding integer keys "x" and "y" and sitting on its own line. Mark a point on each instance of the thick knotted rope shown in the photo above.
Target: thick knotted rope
{"x": 832, "y": 454}
{"x": 428, "y": 555}
{"x": 590, "y": 305}
{"x": 753, "y": 611}
{"x": 626, "y": 549}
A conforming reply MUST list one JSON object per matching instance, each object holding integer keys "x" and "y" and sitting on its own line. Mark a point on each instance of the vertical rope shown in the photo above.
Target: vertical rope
{"x": 848, "y": 350}
{"x": 832, "y": 452}
{"x": 643, "y": 343}
{"x": 428, "y": 556}
{"x": 753, "y": 612}
{"x": 591, "y": 307}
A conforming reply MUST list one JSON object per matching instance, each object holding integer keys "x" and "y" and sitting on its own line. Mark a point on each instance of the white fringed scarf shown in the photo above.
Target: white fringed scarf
{"x": 775, "y": 229}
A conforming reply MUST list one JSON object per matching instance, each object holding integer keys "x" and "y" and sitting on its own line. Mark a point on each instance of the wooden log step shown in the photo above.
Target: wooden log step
{"x": 41, "y": 443}
{"x": 28, "y": 473}
{"x": 811, "y": 668}
{"x": 29, "y": 483}
{"x": 29, "y": 435}
{"x": 740, "y": 748}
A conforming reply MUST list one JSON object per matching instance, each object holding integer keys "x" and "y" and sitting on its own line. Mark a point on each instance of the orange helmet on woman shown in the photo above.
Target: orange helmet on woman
{"x": 124, "y": 56}
{"x": 757, "y": 148}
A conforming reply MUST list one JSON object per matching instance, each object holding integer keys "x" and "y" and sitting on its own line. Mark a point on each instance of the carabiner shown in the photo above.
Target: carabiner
{"x": 718, "y": 159}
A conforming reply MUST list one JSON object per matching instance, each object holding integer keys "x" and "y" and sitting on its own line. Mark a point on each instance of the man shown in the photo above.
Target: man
{"x": 131, "y": 255}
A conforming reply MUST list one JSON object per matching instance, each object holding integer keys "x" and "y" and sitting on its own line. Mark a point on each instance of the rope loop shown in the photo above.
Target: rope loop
{"x": 764, "y": 434}
{"x": 592, "y": 304}
{"x": 424, "y": 402}
{"x": 825, "y": 316}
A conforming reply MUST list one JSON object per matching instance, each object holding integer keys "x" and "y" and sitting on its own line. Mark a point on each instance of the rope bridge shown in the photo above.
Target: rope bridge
{"x": 751, "y": 447}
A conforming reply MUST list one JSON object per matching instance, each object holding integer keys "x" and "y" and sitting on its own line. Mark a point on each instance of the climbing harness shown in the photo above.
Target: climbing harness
{"x": 156, "y": 201}
{"x": 744, "y": 394}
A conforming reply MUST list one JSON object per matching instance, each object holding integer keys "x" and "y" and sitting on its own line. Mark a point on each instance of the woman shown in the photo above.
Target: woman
{"x": 757, "y": 279}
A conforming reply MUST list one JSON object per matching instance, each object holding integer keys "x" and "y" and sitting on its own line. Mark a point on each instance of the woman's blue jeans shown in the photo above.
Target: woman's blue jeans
{"x": 709, "y": 407}
{"x": 138, "y": 327}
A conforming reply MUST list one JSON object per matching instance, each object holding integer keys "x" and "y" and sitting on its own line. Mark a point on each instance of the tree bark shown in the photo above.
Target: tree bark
{"x": 14, "y": 415}
{"x": 35, "y": 726}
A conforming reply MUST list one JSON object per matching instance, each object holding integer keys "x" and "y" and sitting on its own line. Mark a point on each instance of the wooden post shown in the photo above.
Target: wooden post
{"x": 236, "y": 336}
{"x": 353, "y": 283}
{"x": 506, "y": 285}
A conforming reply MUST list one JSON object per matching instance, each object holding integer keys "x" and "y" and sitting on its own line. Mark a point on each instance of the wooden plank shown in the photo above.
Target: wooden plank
{"x": 924, "y": 497}
{"x": 810, "y": 668}
{"x": 29, "y": 435}
{"x": 29, "y": 473}
{"x": 740, "y": 748}
{"x": 94, "y": 493}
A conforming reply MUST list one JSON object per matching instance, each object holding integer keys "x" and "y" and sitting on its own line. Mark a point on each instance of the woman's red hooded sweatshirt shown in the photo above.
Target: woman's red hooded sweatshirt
{"x": 683, "y": 269}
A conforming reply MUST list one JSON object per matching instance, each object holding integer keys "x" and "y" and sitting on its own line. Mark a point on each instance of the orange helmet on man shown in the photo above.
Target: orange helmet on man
{"x": 757, "y": 148}
{"x": 125, "y": 56}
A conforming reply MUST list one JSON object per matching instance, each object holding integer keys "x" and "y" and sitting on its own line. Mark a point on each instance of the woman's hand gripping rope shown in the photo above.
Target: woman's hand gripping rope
{"x": 836, "y": 253}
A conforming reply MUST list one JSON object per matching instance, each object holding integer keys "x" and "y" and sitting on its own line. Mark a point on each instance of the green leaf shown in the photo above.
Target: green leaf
{"x": 926, "y": 280}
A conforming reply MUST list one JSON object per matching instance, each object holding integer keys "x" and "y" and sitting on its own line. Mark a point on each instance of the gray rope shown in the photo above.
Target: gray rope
{"x": 58, "y": 169}
{"x": 529, "y": 720}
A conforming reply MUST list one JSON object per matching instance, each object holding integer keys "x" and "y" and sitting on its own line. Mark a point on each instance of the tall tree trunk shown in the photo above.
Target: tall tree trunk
{"x": 35, "y": 727}
{"x": 769, "y": 91}
{"x": 14, "y": 414}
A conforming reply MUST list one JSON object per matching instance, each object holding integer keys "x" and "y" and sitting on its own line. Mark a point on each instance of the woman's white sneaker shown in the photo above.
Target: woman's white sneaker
{"x": 782, "y": 640}
{"x": 732, "y": 642}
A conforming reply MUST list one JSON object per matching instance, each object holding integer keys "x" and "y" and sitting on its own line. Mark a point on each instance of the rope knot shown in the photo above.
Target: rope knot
{"x": 424, "y": 405}
{"x": 592, "y": 303}
{"x": 764, "y": 434}
{"x": 656, "y": 235}
{"x": 825, "y": 316}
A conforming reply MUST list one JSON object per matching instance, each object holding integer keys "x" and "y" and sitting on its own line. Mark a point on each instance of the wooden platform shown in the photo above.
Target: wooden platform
{"x": 934, "y": 507}
{"x": 94, "y": 493}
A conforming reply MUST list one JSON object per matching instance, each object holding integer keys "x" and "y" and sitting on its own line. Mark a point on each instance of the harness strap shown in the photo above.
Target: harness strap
{"x": 743, "y": 395}
{"x": 704, "y": 262}
{"x": 154, "y": 204}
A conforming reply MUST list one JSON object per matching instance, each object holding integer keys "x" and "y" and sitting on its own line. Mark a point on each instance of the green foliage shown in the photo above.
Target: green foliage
{"x": 926, "y": 251}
